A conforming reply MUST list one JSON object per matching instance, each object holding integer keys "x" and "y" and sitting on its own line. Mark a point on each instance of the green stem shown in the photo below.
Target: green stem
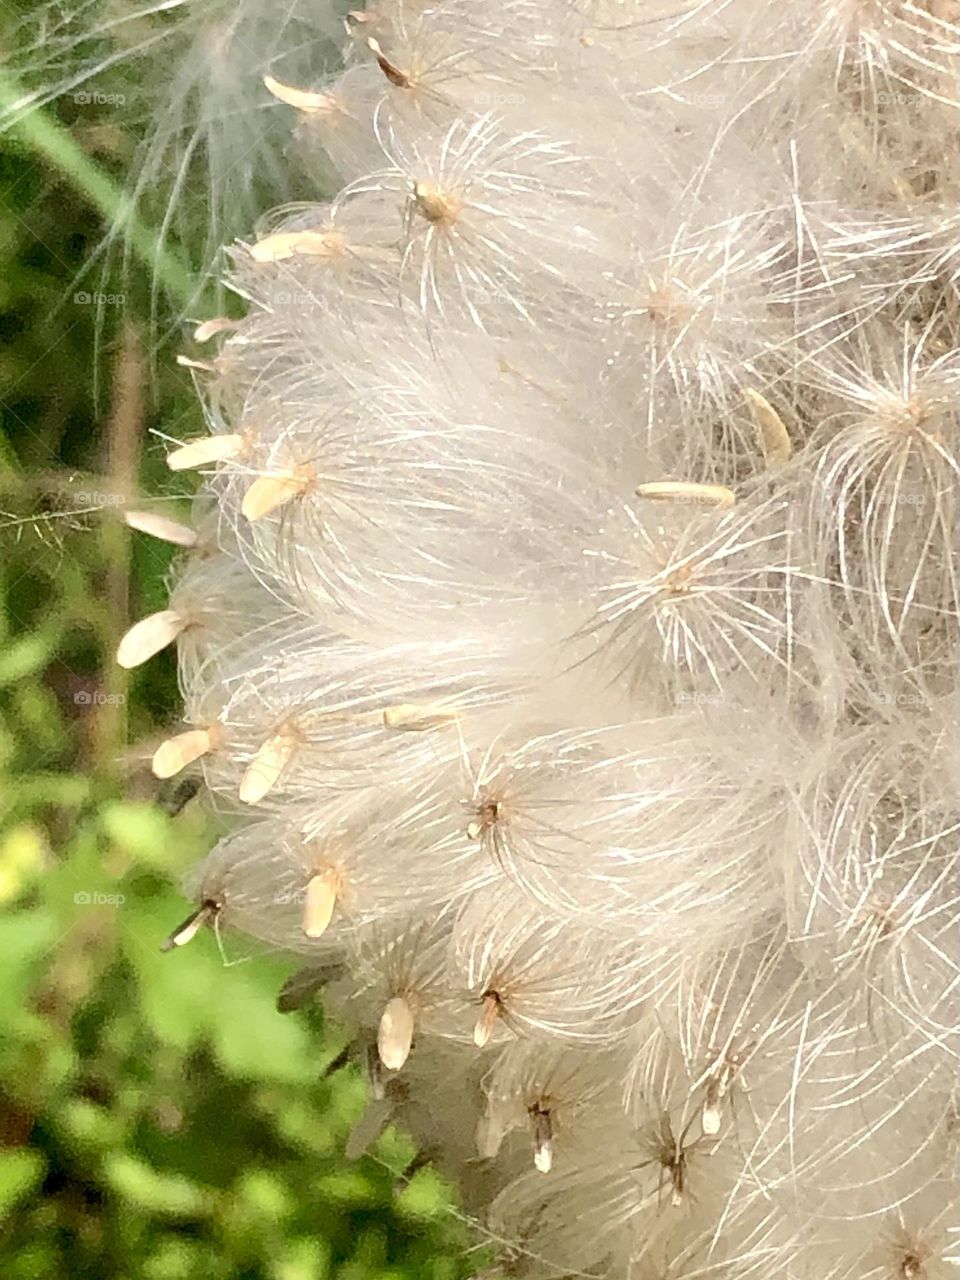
{"x": 53, "y": 141}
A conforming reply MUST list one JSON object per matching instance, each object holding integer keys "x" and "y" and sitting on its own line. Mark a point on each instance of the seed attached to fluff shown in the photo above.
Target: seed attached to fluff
{"x": 148, "y": 636}
{"x": 319, "y": 902}
{"x": 542, "y": 1137}
{"x": 488, "y": 815}
{"x": 395, "y": 1033}
{"x": 417, "y": 716}
{"x": 303, "y": 99}
{"x": 176, "y": 753}
{"x": 161, "y": 527}
{"x": 777, "y": 447}
{"x": 284, "y": 245}
{"x": 265, "y": 769}
{"x": 205, "y": 366}
{"x": 200, "y": 453}
{"x": 271, "y": 492}
{"x": 206, "y": 913}
{"x": 434, "y": 204}
{"x": 487, "y": 1020}
{"x": 708, "y": 495}
{"x": 710, "y": 1117}
{"x": 210, "y": 328}
{"x": 393, "y": 73}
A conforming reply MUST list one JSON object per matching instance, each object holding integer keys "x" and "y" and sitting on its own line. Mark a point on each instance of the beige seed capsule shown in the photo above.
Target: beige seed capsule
{"x": 710, "y": 1119}
{"x": 434, "y": 204}
{"x": 392, "y": 72}
{"x": 709, "y": 495}
{"x": 284, "y": 245}
{"x": 200, "y": 453}
{"x": 210, "y": 328}
{"x": 319, "y": 902}
{"x": 188, "y": 362}
{"x": 176, "y": 753}
{"x": 265, "y": 769}
{"x": 148, "y": 636}
{"x": 271, "y": 492}
{"x": 416, "y": 717}
{"x": 395, "y": 1033}
{"x": 777, "y": 447}
{"x": 205, "y": 914}
{"x": 303, "y": 99}
{"x": 487, "y": 1020}
{"x": 162, "y": 527}
{"x": 542, "y": 1139}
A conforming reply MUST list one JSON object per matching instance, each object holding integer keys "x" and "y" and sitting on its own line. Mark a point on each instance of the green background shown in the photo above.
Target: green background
{"x": 158, "y": 1117}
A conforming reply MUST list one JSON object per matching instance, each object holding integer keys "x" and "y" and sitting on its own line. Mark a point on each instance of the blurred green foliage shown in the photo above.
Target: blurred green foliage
{"x": 158, "y": 1117}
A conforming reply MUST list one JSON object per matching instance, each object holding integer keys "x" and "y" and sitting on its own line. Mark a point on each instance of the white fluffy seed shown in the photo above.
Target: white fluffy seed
{"x": 777, "y": 447}
{"x": 269, "y": 493}
{"x": 206, "y": 913}
{"x": 284, "y": 245}
{"x": 709, "y": 495}
{"x": 542, "y": 1141}
{"x": 176, "y": 753}
{"x": 418, "y": 716}
{"x": 210, "y": 328}
{"x": 434, "y": 204}
{"x": 188, "y": 362}
{"x": 162, "y": 527}
{"x": 395, "y": 1033}
{"x": 710, "y": 1120}
{"x": 487, "y": 1020}
{"x": 319, "y": 901}
{"x": 265, "y": 769}
{"x": 148, "y": 636}
{"x": 200, "y": 453}
{"x": 302, "y": 99}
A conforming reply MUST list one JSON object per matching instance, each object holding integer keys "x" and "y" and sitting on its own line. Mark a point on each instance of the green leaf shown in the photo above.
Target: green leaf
{"x": 20, "y": 1172}
{"x": 23, "y": 657}
{"x": 154, "y": 1192}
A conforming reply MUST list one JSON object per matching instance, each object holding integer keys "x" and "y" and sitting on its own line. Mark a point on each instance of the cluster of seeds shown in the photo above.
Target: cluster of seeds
{"x": 568, "y": 631}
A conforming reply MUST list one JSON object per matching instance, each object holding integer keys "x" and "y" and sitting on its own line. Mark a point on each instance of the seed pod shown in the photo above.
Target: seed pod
{"x": 202, "y": 452}
{"x": 162, "y": 527}
{"x": 395, "y": 1033}
{"x": 487, "y": 1020}
{"x": 542, "y": 1137}
{"x": 319, "y": 902}
{"x": 206, "y": 913}
{"x": 148, "y": 636}
{"x": 266, "y": 768}
{"x": 176, "y": 753}
{"x": 210, "y": 328}
{"x": 303, "y": 99}
{"x": 710, "y": 495}
{"x": 777, "y": 447}
{"x": 270, "y": 492}
{"x": 418, "y": 716}
{"x": 283, "y": 245}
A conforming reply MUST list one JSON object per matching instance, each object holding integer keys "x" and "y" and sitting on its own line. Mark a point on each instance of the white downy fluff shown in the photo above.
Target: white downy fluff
{"x": 575, "y": 632}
